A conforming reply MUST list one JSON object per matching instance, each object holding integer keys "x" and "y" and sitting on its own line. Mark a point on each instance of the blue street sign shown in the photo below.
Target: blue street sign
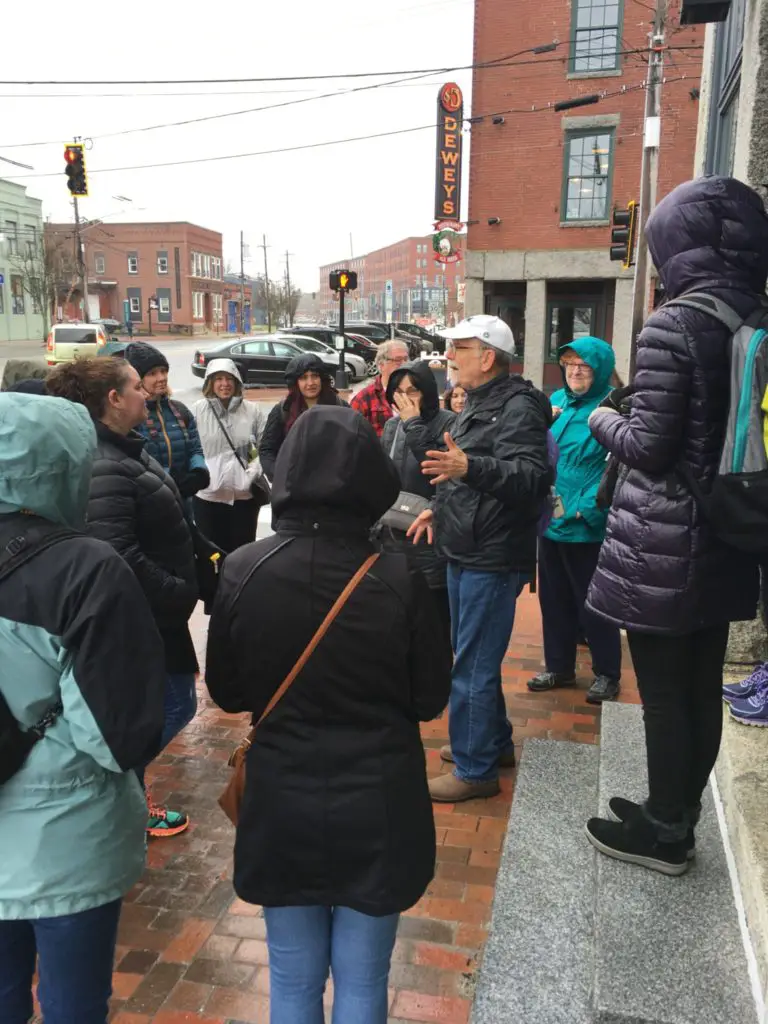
{"x": 2, "y": 279}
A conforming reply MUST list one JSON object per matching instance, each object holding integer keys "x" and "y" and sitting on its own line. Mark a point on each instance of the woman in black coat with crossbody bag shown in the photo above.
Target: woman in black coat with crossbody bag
{"x": 336, "y": 835}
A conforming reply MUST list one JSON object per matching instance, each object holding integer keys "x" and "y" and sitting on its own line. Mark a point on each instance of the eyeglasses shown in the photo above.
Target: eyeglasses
{"x": 396, "y": 359}
{"x": 577, "y": 367}
{"x": 410, "y": 392}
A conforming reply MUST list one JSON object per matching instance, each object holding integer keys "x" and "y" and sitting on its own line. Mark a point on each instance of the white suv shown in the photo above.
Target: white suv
{"x": 74, "y": 341}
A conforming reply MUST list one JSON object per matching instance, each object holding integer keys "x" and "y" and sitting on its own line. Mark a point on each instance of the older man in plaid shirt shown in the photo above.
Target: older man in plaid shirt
{"x": 371, "y": 402}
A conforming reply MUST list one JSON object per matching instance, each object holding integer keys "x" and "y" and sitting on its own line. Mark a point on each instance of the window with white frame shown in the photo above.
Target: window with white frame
{"x": 162, "y": 263}
{"x": 31, "y": 232}
{"x": 217, "y": 268}
{"x": 12, "y": 238}
{"x": 217, "y": 308}
{"x": 192, "y": 264}
{"x": 206, "y": 265}
{"x": 100, "y": 263}
{"x": 133, "y": 263}
{"x": 198, "y": 305}
{"x": 164, "y": 305}
{"x": 135, "y": 302}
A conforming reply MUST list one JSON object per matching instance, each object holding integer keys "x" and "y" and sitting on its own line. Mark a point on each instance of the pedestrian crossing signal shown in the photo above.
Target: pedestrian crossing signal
{"x": 77, "y": 181}
{"x": 343, "y": 280}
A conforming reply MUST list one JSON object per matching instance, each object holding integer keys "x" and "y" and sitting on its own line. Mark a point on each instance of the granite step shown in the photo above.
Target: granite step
{"x": 667, "y": 950}
{"x": 537, "y": 967}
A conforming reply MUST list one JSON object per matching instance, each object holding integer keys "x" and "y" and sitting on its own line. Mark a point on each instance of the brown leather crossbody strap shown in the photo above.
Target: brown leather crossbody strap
{"x": 322, "y": 629}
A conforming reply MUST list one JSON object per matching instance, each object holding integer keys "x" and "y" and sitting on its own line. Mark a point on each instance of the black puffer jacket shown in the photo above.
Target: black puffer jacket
{"x": 336, "y": 809}
{"x": 661, "y": 570}
{"x": 488, "y": 521}
{"x": 136, "y": 507}
{"x": 407, "y": 444}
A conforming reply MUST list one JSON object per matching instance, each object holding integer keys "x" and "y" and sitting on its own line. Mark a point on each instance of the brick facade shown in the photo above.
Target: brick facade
{"x": 421, "y": 289}
{"x": 537, "y": 268}
{"x": 179, "y": 264}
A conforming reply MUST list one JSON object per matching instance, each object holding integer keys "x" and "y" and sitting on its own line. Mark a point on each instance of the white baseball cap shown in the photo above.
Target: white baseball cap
{"x": 491, "y": 330}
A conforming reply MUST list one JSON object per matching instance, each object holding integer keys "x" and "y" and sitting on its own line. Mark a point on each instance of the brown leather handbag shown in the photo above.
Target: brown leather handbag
{"x": 231, "y": 799}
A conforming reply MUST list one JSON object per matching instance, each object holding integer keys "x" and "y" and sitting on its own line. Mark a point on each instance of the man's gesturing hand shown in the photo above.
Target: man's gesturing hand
{"x": 422, "y": 524}
{"x": 442, "y": 466}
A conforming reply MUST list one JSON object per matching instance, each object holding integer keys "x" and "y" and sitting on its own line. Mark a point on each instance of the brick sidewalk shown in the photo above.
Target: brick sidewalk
{"x": 191, "y": 953}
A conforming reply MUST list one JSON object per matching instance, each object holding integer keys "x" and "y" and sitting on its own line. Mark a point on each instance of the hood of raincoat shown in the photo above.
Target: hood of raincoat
{"x": 17, "y": 370}
{"x": 598, "y": 355}
{"x": 425, "y": 381}
{"x": 303, "y": 364}
{"x": 223, "y": 366}
{"x": 46, "y": 455}
{"x": 710, "y": 233}
{"x": 332, "y": 459}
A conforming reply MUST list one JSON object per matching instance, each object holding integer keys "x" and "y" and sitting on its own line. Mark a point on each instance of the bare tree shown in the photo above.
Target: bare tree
{"x": 45, "y": 267}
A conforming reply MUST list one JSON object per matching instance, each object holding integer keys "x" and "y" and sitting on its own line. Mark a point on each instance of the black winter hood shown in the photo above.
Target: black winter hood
{"x": 710, "y": 233}
{"x": 424, "y": 380}
{"x": 332, "y": 459}
{"x": 303, "y": 364}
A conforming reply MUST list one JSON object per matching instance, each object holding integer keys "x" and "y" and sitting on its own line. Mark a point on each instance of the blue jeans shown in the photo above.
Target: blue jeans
{"x": 482, "y": 616}
{"x": 76, "y": 954}
{"x": 305, "y": 943}
{"x": 179, "y": 708}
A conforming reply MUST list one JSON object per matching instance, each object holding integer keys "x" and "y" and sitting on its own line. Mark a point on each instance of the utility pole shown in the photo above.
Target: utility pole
{"x": 82, "y": 270}
{"x": 649, "y": 174}
{"x": 264, "y": 246}
{"x": 242, "y": 284}
{"x": 288, "y": 287}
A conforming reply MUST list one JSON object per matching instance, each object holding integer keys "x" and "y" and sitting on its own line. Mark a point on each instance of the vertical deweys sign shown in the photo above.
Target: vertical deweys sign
{"x": 450, "y": 116}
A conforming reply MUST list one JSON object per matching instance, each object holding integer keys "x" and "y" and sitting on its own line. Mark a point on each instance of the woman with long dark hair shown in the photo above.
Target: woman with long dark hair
{"x": 309, "y": 383}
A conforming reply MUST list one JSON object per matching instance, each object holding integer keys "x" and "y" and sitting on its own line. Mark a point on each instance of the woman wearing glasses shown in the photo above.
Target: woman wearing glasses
{"x": 569, "y": 549}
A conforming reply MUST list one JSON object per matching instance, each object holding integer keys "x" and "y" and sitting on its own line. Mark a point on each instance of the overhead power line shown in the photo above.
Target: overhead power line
{"x": 550, "y": 106}
{"x": 500, "y": 62}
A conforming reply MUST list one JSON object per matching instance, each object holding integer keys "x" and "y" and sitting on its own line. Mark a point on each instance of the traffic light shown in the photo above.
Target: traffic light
{"x": 77, "y": 182}
{"x": 343, "y": 281}
{"x": 624, "y": 234}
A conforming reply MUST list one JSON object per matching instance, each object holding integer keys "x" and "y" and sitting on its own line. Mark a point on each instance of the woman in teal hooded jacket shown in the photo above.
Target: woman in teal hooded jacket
{"x": 570, "y": 547}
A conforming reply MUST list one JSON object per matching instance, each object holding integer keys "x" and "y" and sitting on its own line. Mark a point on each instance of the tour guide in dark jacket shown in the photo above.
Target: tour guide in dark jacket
{"x": 662, "y": 574}
{"x": 336, "y": 809}
{"x": 491, "y": 483}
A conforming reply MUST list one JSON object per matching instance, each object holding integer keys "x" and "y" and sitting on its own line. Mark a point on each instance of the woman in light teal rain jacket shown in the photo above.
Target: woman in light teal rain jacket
{"x": 569, "y": 549}
{"x": 81, "y": 659}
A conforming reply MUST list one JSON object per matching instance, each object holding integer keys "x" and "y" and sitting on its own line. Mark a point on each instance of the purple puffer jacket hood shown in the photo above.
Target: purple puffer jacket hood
{"x": 661, "y": 569}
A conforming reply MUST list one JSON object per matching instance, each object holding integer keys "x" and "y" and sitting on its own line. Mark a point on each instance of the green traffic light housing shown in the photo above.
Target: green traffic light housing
{"x": 77, "y": 180}
{"x": 624, "y": 234}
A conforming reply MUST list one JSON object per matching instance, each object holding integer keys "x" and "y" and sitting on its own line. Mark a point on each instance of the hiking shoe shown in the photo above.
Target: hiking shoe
{"x": 550, "y": 681}
{"x": 753, "y": 710}
{"x": 448, "y": 789}
{"x": 623, "y": 810}
{"x": 747, "y": 687}
{"x": 603, "y": 688}
{"x": 634, "y": 841}
{"x": 163, "y": 823}
{"x": 507, "y": 759}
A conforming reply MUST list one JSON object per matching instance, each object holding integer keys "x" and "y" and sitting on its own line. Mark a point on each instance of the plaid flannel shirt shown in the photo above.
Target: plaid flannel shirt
{"x": 372, "y": 403}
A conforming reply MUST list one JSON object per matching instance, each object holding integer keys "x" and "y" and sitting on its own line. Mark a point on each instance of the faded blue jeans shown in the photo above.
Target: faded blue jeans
{"x": 482, "y": 616}
{"x": 76, "y": 954}
{"x": 179, "y": 708}
{"x": 306, "y": 943}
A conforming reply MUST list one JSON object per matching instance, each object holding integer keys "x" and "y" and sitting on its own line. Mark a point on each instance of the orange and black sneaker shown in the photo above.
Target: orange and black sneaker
{"x": 163, "y": 823}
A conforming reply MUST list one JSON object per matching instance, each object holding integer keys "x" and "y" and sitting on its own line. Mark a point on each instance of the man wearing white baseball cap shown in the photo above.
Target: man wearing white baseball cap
{"x": 490, "y": 487}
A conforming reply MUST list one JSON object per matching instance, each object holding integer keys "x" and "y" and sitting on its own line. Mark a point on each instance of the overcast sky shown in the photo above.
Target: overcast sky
{"x": 297, "y": 199}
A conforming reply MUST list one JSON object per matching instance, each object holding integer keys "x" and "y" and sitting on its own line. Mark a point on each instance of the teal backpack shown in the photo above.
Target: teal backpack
{"x": 737, "y": 505}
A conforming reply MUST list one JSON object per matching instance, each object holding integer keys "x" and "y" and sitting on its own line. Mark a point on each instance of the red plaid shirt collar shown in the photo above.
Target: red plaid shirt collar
{"x": 372, "y": 403}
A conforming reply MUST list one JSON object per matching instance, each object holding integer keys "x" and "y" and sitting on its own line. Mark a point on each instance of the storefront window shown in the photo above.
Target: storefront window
{"x": 568, "y": 321}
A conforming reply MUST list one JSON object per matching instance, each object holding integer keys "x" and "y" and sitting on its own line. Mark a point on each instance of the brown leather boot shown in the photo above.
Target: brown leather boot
{"x": 447, "y": 789}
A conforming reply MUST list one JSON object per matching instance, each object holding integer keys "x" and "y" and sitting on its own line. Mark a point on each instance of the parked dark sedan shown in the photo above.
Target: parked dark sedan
{"x": 357, "y": 344}
{"x": 261, "y": 359}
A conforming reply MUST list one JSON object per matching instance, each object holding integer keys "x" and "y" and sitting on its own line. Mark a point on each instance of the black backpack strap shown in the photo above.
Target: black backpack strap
{"x": 23, "y": 536}
{"x": 709, "y": 304}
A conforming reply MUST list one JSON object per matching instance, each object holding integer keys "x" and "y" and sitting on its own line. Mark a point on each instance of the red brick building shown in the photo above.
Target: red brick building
{"x": 543, "y": 185}
{"x": 401, "y": 282}
{"x": 178, "y": 265}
